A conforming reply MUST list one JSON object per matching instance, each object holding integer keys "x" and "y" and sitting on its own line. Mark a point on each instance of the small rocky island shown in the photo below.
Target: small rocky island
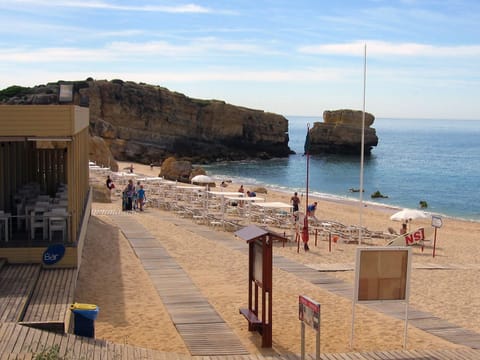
{"x": 341, "y": 133}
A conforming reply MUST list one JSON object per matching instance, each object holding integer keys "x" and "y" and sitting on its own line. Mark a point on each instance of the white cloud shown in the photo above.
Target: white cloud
{"x": 383, "y": 48}
{"x": 317, "y": 74}
{"x": 205, "y": 46}
{"x": 23, "y": 27}
{"x": 53, "y": 55}
{"x": 160, "y": 77}
{"x": 103, "y": 5}
{"x": 123, "y": 50}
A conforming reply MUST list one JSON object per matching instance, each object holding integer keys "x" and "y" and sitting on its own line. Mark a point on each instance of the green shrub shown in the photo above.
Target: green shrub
{"x": 423, "y": 204}
{"x": 378, "y": 194}
{"x": 51, "y": 353}
{"x": 12, "y": 91}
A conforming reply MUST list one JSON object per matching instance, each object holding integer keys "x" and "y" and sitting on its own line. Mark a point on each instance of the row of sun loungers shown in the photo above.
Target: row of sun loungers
{"x": 215, "y": 209}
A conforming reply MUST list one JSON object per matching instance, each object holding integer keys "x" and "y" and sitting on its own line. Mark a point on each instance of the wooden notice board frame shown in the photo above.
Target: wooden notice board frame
{"x": 260, "y": 266}
{"x": 382, "y": 274}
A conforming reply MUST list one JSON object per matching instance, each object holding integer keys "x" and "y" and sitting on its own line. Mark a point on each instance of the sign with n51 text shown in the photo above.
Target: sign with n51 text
{"x": 415, "y": 237}
{"x": 309, "y": 312}
{"x": 53, "y": 254}
{"x": 411, "y": 238}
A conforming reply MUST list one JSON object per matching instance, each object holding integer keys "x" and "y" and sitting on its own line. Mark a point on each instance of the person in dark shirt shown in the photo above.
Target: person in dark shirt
{"x": 109, "y": 182}
{"x": 295, "y": 200}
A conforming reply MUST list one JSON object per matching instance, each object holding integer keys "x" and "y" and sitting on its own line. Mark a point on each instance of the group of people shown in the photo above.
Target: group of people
{"x": 133, "y": 197}
{"x": 311, "y": 209}
{"x": 295, "y": 200}
{"x": 249, "y": 193}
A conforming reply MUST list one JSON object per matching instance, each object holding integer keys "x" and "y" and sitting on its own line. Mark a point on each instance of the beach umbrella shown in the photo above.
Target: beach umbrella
{"x": 408, "y": 214}
{"x": 202, "y": 179}
{"x": 205, "y": 180}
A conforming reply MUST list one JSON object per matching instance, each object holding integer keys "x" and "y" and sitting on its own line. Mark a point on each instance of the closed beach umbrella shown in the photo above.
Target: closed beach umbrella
{"x": 408, "y": 214}
{"x": 202, "y": 179}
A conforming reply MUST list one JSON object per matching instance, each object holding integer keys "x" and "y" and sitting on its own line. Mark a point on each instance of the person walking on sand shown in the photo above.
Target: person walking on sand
{"x": 295, "y": 200}
{"x": 110, "y": 185}
{"x": 135, "y": 196}
{"x": 242, "y": 191}
{"x": 141, "y": 197}
{"x": 129, "y": 191}
{"x": 311, "y": 210}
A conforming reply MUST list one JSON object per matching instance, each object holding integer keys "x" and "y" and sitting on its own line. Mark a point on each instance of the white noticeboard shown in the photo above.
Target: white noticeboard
{"x": 437, "y": 222}
{"x": 382, "y": 274}
{"x": 66, "y": 93}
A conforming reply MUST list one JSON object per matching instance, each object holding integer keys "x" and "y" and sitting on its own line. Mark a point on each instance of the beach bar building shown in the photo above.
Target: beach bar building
{"x": 45, "y": 197}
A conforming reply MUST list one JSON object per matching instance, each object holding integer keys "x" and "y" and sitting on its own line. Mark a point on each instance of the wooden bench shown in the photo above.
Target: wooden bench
{"x": 253, "y": 321}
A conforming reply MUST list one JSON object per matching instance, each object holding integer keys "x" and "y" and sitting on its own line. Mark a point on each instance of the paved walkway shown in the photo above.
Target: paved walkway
{"x": 202, "y": 329}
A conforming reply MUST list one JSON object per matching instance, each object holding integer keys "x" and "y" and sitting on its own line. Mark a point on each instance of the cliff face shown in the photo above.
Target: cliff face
{"x": 148, "y": 123}
{"x": 341, "y": 133}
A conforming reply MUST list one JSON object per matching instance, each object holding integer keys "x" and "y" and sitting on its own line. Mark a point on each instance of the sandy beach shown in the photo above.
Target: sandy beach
{"x": 132, "y": 312}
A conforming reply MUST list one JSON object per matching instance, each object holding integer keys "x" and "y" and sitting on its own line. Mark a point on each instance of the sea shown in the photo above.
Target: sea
{"x": 436, "y": 161}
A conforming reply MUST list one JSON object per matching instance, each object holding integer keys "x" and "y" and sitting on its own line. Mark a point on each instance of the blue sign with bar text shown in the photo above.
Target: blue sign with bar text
{"x": 53, "y": 254}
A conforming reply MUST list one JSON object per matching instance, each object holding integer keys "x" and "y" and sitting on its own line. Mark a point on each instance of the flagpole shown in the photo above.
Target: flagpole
{"x": 308, "y": 170}
{"x": 305, "y": 234}
{"x": 362, "y": 150}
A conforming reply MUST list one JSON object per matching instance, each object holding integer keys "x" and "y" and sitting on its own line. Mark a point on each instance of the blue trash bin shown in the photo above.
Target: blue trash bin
{"x": 84, "y": 319}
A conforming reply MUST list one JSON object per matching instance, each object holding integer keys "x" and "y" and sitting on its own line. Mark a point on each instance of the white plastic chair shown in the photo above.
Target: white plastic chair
{"x": 46, "y": 198}
{"x": 3, "y": 223}
{"x": 37, "y": 221}
{"x": 57, "y": 221}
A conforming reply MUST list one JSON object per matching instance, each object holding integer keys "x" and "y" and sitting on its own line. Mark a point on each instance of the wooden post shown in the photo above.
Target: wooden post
{"x": 267, "y": 288}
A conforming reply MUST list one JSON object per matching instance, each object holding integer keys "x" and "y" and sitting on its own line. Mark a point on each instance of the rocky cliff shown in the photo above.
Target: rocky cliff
{"x": 341, "y": 133}
{"x": 147, "y": 123}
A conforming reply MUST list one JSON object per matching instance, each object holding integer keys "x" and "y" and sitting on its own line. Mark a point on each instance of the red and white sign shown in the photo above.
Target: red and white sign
{"x": 415, "y": 237}
{"x": 309, "y": 312}
{"x": 412, "y": 238}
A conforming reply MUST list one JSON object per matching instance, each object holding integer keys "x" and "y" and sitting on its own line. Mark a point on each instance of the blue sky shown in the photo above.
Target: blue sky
{"x": 289, "y": 57}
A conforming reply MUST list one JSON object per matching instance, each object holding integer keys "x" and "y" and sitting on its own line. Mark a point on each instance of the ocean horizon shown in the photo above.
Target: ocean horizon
{"x": 436, "y": 161}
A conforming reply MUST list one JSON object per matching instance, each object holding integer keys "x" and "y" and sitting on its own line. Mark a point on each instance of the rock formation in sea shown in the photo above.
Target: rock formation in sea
{"x": 341, "y": 133}
{"x": 147, "y": 123}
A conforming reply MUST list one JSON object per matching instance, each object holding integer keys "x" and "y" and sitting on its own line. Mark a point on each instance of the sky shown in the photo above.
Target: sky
{"x": 289, "y": 57}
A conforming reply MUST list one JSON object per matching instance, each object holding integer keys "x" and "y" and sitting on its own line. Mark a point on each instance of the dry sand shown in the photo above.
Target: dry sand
{"x": 132, "y": 312}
